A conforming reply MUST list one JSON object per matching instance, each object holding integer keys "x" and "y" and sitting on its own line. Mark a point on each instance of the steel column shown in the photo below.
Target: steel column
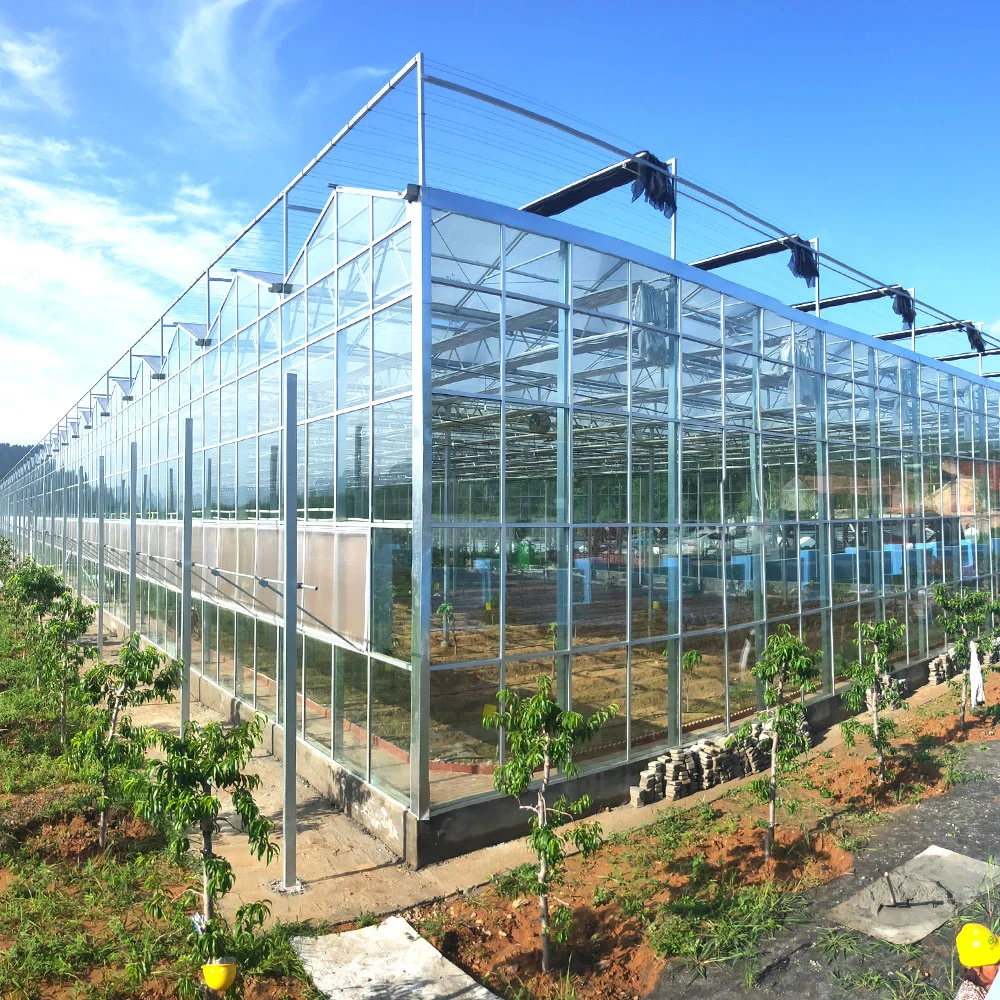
{"x": 186, "y": 558}
{"x": 64, "y": 491}
{"x": 421, "y": 141}
{"x": 133, "y": 505}
{"x": 420, "y": 226}
{"x": 100, "y": 556}
{"x": 289, "y": 680}
{"x": 79, "y": 532}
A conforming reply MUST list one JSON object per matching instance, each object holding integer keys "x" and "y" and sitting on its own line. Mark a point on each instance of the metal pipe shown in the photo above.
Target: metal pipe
{"x": 186, "y": 557}
{"x": 100, "y": 557}
{"x": 133, "y": 546}
{"x": 79, "y": 532}
{"x": 289, "y": 681}
{"x": 421, "y": 131}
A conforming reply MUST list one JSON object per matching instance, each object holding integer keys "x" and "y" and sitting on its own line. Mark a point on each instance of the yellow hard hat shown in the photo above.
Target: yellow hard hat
{"x": 977, "y": 946}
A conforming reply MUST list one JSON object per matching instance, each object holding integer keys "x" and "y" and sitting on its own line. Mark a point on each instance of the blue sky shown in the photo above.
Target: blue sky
{"x": 136, "y": 137}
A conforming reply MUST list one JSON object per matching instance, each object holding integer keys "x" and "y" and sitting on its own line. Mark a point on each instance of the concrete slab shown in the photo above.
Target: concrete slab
{"x": 390, "y": 961}
{"x": 918, "y": 897}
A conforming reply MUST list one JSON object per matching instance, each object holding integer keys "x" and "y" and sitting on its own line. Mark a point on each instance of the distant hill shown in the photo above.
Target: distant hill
{"x": 10, "y": 455}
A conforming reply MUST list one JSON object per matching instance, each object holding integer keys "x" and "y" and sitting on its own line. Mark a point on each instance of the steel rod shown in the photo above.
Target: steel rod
{"x": 289, "y": 680}
{"x": 186, "y": 556}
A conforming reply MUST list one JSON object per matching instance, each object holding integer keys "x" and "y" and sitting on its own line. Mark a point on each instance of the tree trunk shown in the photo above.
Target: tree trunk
{"x": 102, "y": 830}
{"x": 772, "y": 795}
{"x": 543, "y": 871}
{"x": 879, "y": 754}
{"x": 965, "y": 691}
{"x": 62, "y": 711}
{"x": 115, "y": 705}
{"x": 208, "y": 902}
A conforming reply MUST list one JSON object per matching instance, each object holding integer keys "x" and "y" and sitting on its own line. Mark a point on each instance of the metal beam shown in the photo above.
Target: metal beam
{"x": 845, "y": 300}
{"x": 969, "y": 355}
{"x": 926, "y": 330}
{"x": 751, "y": 252}
{"x": 595, "y": 184}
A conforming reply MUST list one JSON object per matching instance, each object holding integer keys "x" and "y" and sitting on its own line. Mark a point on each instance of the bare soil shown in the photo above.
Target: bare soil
{"x": 835, "y": 799}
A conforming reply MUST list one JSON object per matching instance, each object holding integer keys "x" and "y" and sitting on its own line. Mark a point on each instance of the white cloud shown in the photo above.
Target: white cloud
{"x": 222, "y": 68}
{"x": 85, "y": 273}
{"x": 29, "y": 72}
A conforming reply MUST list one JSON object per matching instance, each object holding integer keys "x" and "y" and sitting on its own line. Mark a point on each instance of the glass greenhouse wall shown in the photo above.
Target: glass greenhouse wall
{"x": 524, "y": 448}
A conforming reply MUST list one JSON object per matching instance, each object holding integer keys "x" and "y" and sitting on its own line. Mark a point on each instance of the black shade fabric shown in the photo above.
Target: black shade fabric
{"x": 902, "y": 305}
{"x": 655, "y": 184}
{"x": 976, "y": 342}
{"x": 803, "y": 263}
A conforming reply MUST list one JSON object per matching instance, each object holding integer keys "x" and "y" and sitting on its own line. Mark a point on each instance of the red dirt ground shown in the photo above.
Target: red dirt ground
{"x": 496, "y": 940}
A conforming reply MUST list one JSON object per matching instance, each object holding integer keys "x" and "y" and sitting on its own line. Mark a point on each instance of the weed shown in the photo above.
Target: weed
{"x": 848, "y": 841}
{"x": 365, "y": 919}
{"x": 834, "y": 943}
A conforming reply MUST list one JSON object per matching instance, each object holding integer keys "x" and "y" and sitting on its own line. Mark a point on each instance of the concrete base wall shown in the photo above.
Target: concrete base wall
{"x": 469, "y": 825}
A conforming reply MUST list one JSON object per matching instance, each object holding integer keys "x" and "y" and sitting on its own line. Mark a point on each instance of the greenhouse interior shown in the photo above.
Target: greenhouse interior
{"x": 542, "y": 430}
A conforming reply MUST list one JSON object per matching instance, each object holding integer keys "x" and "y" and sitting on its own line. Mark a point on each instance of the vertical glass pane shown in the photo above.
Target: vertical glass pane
{"x": 321, "y": 371}
{"x": 390, "y": 713}
{"x": 350, "y": 710}
{"x": 318, "y": 693}
{"x": 353, "y": 364}
{"x": 703, "y": 683}
{"x": 391, "y": 582}
{"x": 352, "y": 465}
{"x": 465, "y": 452}
{"x": 465, "y": 594}
{"x": 246, "y": 494}
{"x": 536, "y": 589}
{"x": 392, "y": 349}
{"x": 320, "y": 488}
{"x": 392, "y": 483}
{"x": 600, "y": 585}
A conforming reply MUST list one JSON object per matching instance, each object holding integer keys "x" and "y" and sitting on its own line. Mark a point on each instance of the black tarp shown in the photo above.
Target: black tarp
{"x": 655, "y": 184}
{"x": 902, "y": 305}
{"x": 803, "y": 263}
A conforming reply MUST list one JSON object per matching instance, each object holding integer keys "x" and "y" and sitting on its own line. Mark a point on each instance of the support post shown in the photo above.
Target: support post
{"x": 186, "y": 558}
{"x": 100, "y": 557}
{"x": 421, "y": 155}
{"x": 815, "y": 246}
{"x": 64, "y": 494}
{"x": 423, "y": 608}
{"x": 672, "y": 164}
{"x": 133, "y": 533}
{"x": 289, "y": 680}
{"x": 79, "y": 532}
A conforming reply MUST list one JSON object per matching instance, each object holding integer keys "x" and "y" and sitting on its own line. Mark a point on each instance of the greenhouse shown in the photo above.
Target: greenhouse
{"x": 525, "y": 446}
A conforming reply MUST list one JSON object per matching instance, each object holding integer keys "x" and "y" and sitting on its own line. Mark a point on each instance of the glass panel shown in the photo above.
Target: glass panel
{"x": 465, "y": 340}
{"x": 267, "y": 669}
{"x": 353, "y": 364}
{"x": 465, "y": 451}
{"x": 701, "y": 312}
{"x": 600, "y": 473}
{"x": 600, "y": 585}
{"x": 536, "y": 589}
{"x": 350, "y": 710}
{"x": 391, "y": 267}
{"x": 322, "y": 302}
{"x": 745, "y": 645}
{"x": 247, "y": 405}
{"x": 353, "y": 222}
{"x": 655, "y": 582}
{"x": 702, "y": 577}
{"x": 269, "y": 475}
{"x": 390, "y": 714}
{"x": 392, "y": 350}
{"x": 536, "y": 266}
{"x": 703, "y": 683}
{"x": 317, "y": 693}
{"x": 465, "y": 250}
{"x": 321, "y": 372}
{"x": 320, "y": 473}
{"x": 354, "y": 289}
{"x": 391, "y": 617}
{"x": 392, "y": 483}
{"x": 270, "y": 397}
{"x": 465, "y": 594}
{"x": 293, "y": 323}
{"x": 654, "y": 471}
{"x": 462, "y": 751}
{"x": 599, "y": 680}
{"x": 246, "y": 494}
{"x": 600, "y": 366}
{"x": 536, "y": 338}
{"x": 532, "y": 461}
{"x": 352, "y": 465}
